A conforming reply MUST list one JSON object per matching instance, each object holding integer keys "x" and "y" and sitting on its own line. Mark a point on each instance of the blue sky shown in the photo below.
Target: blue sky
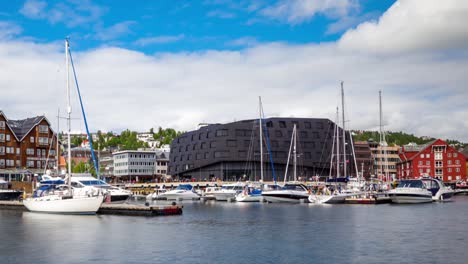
{"x": 168, "y": 26}
{"x": 145, "y": 64}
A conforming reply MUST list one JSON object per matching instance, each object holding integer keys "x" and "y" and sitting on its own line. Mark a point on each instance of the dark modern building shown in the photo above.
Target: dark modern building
{"x": 231, "y": 152}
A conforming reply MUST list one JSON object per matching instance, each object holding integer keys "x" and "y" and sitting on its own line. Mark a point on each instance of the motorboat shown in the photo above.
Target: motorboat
{"x": 208, "y": 193}
{"x": 7, "y": 194}
{"x": 228, "y": 191}
{"x": 327, "y": 196}
{"x": 156, "y": 194}
{"x": 289, "y": 193}
{"x": 250, "y": 194}
{"x": 439, "y": 191}
{"x": 116, "y": 194}
{"x": 461, "y": 187}
{"x": 182, "y": 192}
{"x": 410, "y": 192}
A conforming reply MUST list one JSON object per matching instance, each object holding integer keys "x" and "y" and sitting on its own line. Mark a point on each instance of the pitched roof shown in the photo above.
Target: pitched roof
{"x": 22, "y": 127}
{"x": 409, "y": 152}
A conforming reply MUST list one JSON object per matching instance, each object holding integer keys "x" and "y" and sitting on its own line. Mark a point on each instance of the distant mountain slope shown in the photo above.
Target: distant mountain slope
{"x": 398, "y": 138}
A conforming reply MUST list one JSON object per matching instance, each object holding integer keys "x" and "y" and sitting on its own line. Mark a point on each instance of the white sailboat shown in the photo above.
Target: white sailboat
{"x": 336, "y": 196}
{"x": 252, "y": 192}
{"x": 60, "y": 199}
{"x": 292, "y": 192}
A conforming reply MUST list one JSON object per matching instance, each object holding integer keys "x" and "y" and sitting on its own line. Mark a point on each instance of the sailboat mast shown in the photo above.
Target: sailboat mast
{"x": 295, "y": 153}
{"x": 261, "y": 137}
{"x": 69, "y": 110}
{"x": 344, "y": 131}
{"x": 333, "y": 146}
{"x": 57, "y": 147}
{"x": 337, "y": 145}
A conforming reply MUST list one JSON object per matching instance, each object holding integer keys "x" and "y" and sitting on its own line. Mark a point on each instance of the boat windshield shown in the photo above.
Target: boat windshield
{"x": 93, "y": 183}
{"x": 187, "y": 187}
{"x": 410, "y": 184}
{"x": 294, "y": 187}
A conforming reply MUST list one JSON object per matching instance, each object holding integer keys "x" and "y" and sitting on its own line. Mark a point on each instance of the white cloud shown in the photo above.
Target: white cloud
{"x": 413, "y": 25}
{"x": 244, "y": 42}
{"x": 424, "y": 92}
{"x": 34, "y": 9}
{"x": 298, "y": 11}
{"x": 9, "y": 29}
{"x": 115, "y": 31}
{"x": 72, "y": 13}
{"x": 159, "y": 40}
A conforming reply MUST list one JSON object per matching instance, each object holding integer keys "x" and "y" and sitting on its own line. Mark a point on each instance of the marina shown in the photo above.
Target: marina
{"x": 212, "y": 231}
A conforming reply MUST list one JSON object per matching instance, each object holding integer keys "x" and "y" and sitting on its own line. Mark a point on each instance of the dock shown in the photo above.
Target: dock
{"x": 113, "y": 209}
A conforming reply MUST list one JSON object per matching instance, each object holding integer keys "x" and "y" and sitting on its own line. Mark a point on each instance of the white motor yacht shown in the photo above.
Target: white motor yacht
{"x": 228, "y": 191}
{"x": 156, "y": 194}
{"x": 208, "y": 193}
{"x": 81, "y": 181}
{"x": 182, "y": 192}
{"x": 289, "y": 193}
{"x": 439, "y": 191}
{"x": 250, "y": 194}
{"x": 409, "y": 192}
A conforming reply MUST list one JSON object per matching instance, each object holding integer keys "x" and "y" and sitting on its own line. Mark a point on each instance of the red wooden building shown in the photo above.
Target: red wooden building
{"x": 435, "y": 159}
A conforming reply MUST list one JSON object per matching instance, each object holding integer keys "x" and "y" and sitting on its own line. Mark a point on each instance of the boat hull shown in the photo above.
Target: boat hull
{"x": 57, "y": 205}
{"x": 179, "y": 196}
{"x": 249, "y": 198}
{"x": 224, "y": 196}
{"x": 404, "y": 198}
{"x": 277, "y": 197}
{"x": 119, "y": 198}
{"x": 328, "y": 199}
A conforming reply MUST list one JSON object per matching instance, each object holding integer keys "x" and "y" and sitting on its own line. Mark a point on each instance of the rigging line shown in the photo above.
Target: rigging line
{"x": 267, "y": 138}
{"x": 90, "y": 139}
{"x": 324, "y": 145}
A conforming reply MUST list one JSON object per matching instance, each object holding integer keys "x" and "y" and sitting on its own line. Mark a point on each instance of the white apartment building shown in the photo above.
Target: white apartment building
{"x": 134, "y": 163}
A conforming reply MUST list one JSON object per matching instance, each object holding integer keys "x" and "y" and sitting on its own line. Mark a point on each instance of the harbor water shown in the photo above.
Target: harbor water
{"x": 216, "y": 232}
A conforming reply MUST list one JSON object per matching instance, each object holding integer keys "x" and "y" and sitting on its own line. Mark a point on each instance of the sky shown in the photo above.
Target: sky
{"x": 175, "y": 63}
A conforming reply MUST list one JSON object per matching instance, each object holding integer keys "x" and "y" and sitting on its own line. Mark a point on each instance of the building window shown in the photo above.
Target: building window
{"x": 206, "y": 155}
{"x": 428, "y": 156}
{"x": 428, "y": 170}
{"x": 438, "y": 156}
{"x": 282, "y": 124}
{"x": 449, "y": 155}
{"x": 2, "y": 124}
{"x": 221, "y": 132}
{"x": 428, "y": 163}
{"x": 438, "y": 164}
{"x": 269, "y": 124}
{"x": 7, "y": 136}
{"x": 43, "y": 129}
{"x": 319, "y": 125}
{"x": 43, "y": 141}
{"x": 449, "y": 170}
{"x": 422, "y": 156}
{"x": 2, "y": 163}
{"x": 315, "y": 135}
{"x": 278, "y": 133}
{"x": 2, "y": 137}
{"x": 457, "y": 162}
{"x": 203, "y": 145}
{"x": 449, "y": 178}
{"x": 307, "y": 125}
{"x": 213, "y": 144}
{"x": 31, "y": 139}
{"x": 303, "y": 134}
{"x": 242, "y": 154}
{"x": 420, "y": 162}
{"x": 449, "y": 162}
{"x": 455, "y": 155}
{"x": 457, "y": 169}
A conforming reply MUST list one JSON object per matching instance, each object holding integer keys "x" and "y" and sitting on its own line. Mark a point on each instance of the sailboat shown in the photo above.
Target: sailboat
{"x": 335, "y": 196}
{"x": 253, "y": 192}
{"x": 57, "y": 197}
{"x": 291, "y": 192}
